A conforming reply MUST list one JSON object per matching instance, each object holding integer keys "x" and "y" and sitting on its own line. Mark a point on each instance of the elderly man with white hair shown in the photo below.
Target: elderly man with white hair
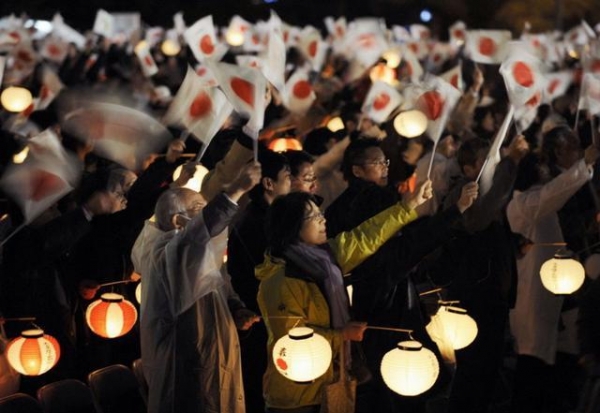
{"x": 189, "y": 312}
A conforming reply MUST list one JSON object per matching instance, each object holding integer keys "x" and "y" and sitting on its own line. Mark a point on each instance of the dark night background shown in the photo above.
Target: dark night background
{"x": 511, "y": 14}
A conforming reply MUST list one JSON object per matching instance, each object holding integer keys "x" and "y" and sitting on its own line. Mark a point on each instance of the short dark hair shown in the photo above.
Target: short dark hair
{"x": 271, "y": 164}
{"x": 355, "y": 155}
{"x": 285, "y": 217}
{"x": 470, "y": 151}
{"x": 556, "y": 138}
{"x": 296, "y": 159}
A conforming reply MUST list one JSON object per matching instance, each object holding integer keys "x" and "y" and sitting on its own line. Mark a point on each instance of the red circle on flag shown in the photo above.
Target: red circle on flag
{"x": 201, "y": 71}
{"x": 431, "y": 104}
{"x": 312, "y": 48}
{"x": 459, "y": 34}
{"x": 487, "y": 46}
{"x": 53, "y": 50}
{"x": 381, "y": 101}
{"x": 206, "y": 44}
{"x": 302, "y": 89}
{"x": 243, "y": 89}
{"x": 201, "y": 105}
{"x": 534, "y": 101}
{"x": 595, "y": 66}
{"x": 523, "y": 74}
{"x": 43, "y": 183}
{"x": 553, "y": 85}
{"x": 148, "y": 61}
{"x": 15, "y": 36}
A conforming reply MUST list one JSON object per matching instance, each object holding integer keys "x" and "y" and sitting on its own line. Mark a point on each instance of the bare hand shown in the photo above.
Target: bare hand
{"x": 104, "y": 202}
{"x": 88, "y": 289}
{"x": 244, "y": 319}
{"x": 468, "y": 195}
{"x": 247, "y": 179}
{"x": 477, "y": 79}
{"x": 518, "y": 148}
{"x": 175, "y": 150}
{"x": 354, "y": 330}
{"x": 187, "y": 172}
{"x": 422, "y": 193}
{"x": 591, "y": 154}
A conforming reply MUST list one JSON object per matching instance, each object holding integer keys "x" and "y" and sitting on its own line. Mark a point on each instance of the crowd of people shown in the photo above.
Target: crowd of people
{"x": 343, "y": 234}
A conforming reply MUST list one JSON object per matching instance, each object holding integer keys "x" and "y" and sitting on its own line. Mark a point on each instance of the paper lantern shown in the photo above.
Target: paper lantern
{"x": 392, "y": 58}
{"x": 33, "y": 353}
{"x": 195, "y": 182}
{"x": 138, "y": 293}
{"x": 410, "y": 369}
{"x": 335, "y": 124}
{"x": 285, "y": 144}
{"x": 562, "y": 274}
{"x": 381, "y": 72}
{"x": 411, "y": 123}
{"x": 141, "y": 46}
{"x": 21, "y": 156}
{"x": 170, "y": 47}
{"x": 301, "y": 355}
{"x": 234, "y": 37}
{"x": 459, "y": 330}
{"x": 16, "y": 99}
{"x": 111, "y": 316}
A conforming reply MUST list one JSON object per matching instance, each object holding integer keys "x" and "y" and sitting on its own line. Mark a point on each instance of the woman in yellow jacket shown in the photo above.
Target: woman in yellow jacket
{"x": 301, "y": 280}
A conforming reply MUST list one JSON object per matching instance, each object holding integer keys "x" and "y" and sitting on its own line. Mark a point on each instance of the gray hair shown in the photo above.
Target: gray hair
{"x": 170, "y": 203}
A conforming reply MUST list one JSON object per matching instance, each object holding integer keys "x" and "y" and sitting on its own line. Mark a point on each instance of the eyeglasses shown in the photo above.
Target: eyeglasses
{"x": 317, "y": 216}
{"x": 384, "y": 163}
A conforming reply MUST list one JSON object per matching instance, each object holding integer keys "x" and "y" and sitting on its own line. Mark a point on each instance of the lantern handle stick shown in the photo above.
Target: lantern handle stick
{"x": 399, "y": 330}
{"x": 115, "y": 283}
{"x": 550, "y": 244}
{"x": 17, "y": 319}
{"x": 442, "y": 302}
{"x": 589, "y": 247}
{"x": 255, "y": 149}
{"x": 201, "y": 152}
{"x": 431, "y": 160}
{"x": 435, "y": 290}
{"x": 12, "y": 234}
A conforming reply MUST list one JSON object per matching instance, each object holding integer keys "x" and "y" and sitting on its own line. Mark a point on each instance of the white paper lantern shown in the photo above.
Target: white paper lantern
{"x": 410, "y": 369}
{"x": 234, "y": 37}
{"x": 383, "y": 73}
{"x": 33, "y": 353}
{"x": 392, "y": 58}
{"x": 459, "y": 329}
{"x": 195, "y": 183}
{"x": 335, "y": 124}
{"x": 302, "y": 355}
{"x": 170, "y": 47}
{"x": 562, "y": 274}
{"x": 138, "y": 293}
{"x": 21, "y": 156}
{"x": 16, "y": 99}
{"x": 411, "y": 123}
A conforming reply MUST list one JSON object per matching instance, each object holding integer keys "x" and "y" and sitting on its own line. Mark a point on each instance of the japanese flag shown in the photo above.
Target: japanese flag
{"x": 401, "y": 34}
{"x": 580, "y": 35}
{"x": 487, "y": 46}
{"x": 493, "y": 157}
{"x": 9, "y": 39}
{"x": 104, "y": 24}
{"x": 411, "y": 67}
{"x": 51, "y": 87}
{"x": 381, "y": 100}
{"x": 147, "y": 63}
{"x": 437, "y": 100}
{"x": 67, "y": 33}
{"x": 54, "y": 49}
{"x": 439, "y": 54}
{"x": 206, "y": 76}
{"x": 366, "y": 40}
{"x": 419, "y": 32}
{"x": 249, "y": 60}
{"x": 255, "y": 39}
{"x": 245, "y": 88}
{"x": 458, "y": 33}
{"x": 48, "y": 174}
{"x": 522, "y": 76}
{"x": 454, "y": 77}
{"x": 336, "y": 28}
{"x": 590, "y": 93}
{"x": 202, "y": 40}
{"x": 537, "y": 44}
{"x": 299, "y": 93}
{"x": 179, "y": 23}
{"x": 154, "y": 35}
{"x": 557, "y": 84}
{"x": 201, "y": 110}
{"x": 312, "y": 47}
{"x": 524, "y": 117}
{"x": 23, "y": 59}
{"x": 274, "y": 58}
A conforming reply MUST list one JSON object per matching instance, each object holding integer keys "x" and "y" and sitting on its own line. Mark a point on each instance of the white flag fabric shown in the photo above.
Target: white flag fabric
{"x": 200, "y": 109}
{"x": 154, "y": 36}
{"x": 119, "y": 133}
{"x": 202, "y": 39}
{"x": 493, "y": 157}
{"x": 337, "y": 30}
{"x": 2, "y": 67}
{"x": 299, "y": 94}
{"x": 104, "y": 24}
{"x": 411, "y": 66}
{"x": 366, "y": 40}
{"x": 401, "y": 34}
{"x": 206, "y": 75}
{"x": 590, "y": 93}
{"x": 245, "y": 88}
{"x": 381, "y": 100}
{"x": 487, "y": 46}
{"x": 274, "y": 58}
{"x": 437, "y": 101}
{"x": 67, "y": 33}
{"x": 249, "y": 60}
{"x": 51, "y": 87}
{"x": 522, "y": 76}
{"x": 454, "y": 77}
{"x": 48, "y": 174}
{"x": 419, "y": 32}
{"x": 54, "y": 49}
{"x": 524, "y": 116}
{"x": 557, "y": 84}
{"x": 179, "y": 23}
{"x": 147, "y": 63}
{"x": 312, "y": 47}
{"x": 458, "y": 33}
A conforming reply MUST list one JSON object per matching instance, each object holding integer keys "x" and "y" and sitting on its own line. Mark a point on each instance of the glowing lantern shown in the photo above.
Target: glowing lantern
{"x": 562, "y": 274}
{"x": 21, "y": 156}
{"x": 170, "y": 47}
{"x": 411, "y": 123}
{"x": 234, "y": 37}
{"x": 111, "y": 316}
{"x": 302, "y": 355}
{"x": 410, "y": 369}
{"x": 392, "y": 58}
{"x": 141, "y": 46}
{"x": 16, "y": 99}
{"x": 195, "y": 182}
{"x": 459, "y": 330}
{"x": 138, "y": 293}
{"x": 335, "y": 124}
{"x": 285, "y": 144}
{"x": 33, "y": 353}
{"x": 381, "y": 72}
